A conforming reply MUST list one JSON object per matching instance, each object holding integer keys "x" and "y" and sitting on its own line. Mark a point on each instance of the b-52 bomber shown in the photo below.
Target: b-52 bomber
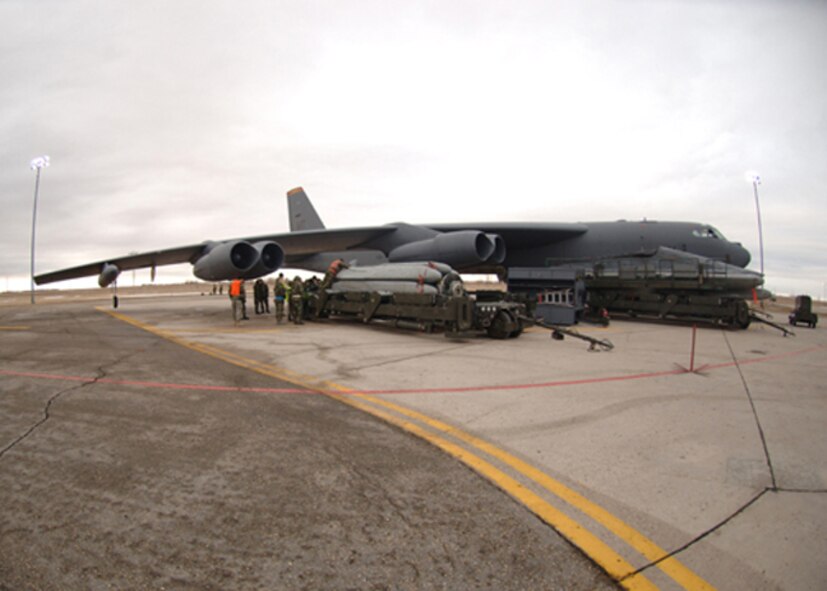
{"x": 467, "y": 247}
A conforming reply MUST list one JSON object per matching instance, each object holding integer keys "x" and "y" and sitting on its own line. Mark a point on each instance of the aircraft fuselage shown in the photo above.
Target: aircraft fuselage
{"x": 548, "y": 244}
{"x": 615, "y": 239}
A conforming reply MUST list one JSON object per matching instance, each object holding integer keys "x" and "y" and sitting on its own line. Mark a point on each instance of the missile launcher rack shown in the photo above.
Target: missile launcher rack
{"x": 666, "y": 284}
{"x": 453, "y": 315}
{"x": 423, "y": 296}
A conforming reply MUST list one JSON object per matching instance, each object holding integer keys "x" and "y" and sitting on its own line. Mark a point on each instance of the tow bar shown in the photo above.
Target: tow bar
{"x": 558, "y": 333}
{"x": 764, "y": 318}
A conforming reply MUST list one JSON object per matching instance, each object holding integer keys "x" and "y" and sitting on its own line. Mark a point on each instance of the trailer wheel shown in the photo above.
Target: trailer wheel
{"x": 742, "y": 318}
{"x": 502, "y": 325}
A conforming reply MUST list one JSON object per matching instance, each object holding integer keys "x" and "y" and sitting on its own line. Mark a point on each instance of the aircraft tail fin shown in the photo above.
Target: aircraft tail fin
{"x": 302, "y": 214}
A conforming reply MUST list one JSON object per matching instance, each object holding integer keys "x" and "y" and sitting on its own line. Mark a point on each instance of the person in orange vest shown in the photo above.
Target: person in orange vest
{"x": 238, "y": 297}
{"x": 332, "y": 271}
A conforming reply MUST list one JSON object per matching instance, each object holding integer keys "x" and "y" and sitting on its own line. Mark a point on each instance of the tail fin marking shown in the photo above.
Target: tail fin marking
{"x": 302, "y": 214}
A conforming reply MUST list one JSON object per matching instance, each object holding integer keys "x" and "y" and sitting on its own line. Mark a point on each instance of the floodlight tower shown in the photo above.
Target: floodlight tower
{"x": 755, "y": 179}
{"x": 37, "y": 164}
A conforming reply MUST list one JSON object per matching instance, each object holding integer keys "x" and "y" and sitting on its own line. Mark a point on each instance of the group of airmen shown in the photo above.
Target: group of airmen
{"x": 292, "y": 294}
{"x": 288, "y": 296}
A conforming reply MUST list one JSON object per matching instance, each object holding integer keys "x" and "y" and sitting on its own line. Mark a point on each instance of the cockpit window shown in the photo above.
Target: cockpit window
{"x": 708, "y": 232}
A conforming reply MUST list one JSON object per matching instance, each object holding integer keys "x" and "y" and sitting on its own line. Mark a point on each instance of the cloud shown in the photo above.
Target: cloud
{"x": 170, "y": 123}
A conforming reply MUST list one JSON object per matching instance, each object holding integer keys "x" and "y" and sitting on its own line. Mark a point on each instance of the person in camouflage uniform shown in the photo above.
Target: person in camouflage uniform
{"x": 280, "y": 296}
{"x": 259, "y": 290}
{"x": 297, "y": 300}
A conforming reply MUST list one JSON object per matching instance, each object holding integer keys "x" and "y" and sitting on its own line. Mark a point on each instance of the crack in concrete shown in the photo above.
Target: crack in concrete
{"x": 101, "y": 373}
{"x": 714, "y": 528}
{"x": 402, "y": 359}
{"x": 46, "y": 415}
{"x": 774, "y": 488}
{"x": 674, "y": 553}
{"x": 754, "y": 414}
{"x": 805, "y": 491}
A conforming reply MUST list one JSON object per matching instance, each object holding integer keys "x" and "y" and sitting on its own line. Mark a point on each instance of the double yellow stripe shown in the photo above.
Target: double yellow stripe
{"x": 612, "y": 562}
{"x": 643, "y": 545}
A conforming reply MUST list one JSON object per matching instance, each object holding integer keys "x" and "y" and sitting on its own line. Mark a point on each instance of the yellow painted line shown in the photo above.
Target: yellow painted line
{"x": 646, "y": 547}
{"x": 286, "y": 375}
{"x": 615, "y": 565}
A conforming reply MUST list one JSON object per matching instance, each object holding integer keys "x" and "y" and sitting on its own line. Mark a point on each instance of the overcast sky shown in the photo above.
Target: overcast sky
{"x": 169, "y": 123}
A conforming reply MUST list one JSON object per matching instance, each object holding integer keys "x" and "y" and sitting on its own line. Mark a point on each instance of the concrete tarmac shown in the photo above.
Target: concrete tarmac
{"x": 128, "y": 461}
{"x": 665, "y": 478}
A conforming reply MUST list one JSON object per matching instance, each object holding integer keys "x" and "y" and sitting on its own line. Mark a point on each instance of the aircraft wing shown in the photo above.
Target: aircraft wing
{"x": 171, "y": 256}
{"x": 306, "y": 242}
{"x": 519, "y": 235}
{"x": 293, "y": 243}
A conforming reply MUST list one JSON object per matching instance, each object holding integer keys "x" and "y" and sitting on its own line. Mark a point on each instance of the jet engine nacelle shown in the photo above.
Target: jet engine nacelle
{"x": 237, "y": 259}
{"x": 270, "y": 258}
{"x": 225, "y": 260}
{"x": 498, "y": 256}
{"x": 108, "y": 274}
{"x": 458, "y": 249}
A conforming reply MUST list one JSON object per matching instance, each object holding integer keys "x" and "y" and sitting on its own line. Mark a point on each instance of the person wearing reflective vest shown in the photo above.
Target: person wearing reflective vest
{"x": 238, "y": 297}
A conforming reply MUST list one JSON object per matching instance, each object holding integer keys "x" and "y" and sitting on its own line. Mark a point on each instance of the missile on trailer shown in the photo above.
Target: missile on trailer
{"x": 417, "y": 272}
{"x": 383, "y": 287}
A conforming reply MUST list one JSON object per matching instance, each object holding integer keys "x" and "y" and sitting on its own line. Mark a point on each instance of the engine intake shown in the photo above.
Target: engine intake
{"x": 225, "y": 260}
{"x": 270, "y": 258}
{"x": 238, "y": 259}
{"x": 498, "y": 256}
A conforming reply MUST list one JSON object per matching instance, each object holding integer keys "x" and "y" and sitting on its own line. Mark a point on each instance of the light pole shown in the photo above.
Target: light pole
{"x": 752, "y": 177}
{"x": 37, "y": 164}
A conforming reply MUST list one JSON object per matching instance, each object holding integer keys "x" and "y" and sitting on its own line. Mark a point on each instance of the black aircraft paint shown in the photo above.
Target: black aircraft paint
{"x": 483, "y": 247}
{"x": 526, "y": 244}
